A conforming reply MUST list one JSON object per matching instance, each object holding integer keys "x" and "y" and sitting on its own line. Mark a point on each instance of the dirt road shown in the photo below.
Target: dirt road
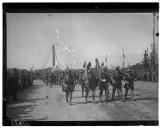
{"x": 34, "y": 105}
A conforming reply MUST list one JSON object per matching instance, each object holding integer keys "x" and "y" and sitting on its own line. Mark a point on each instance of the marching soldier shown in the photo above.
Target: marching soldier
{"x": 129, "y": 83}
{"x": 117, "y": 85}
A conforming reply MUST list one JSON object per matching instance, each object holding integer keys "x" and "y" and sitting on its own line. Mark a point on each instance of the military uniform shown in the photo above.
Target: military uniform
{"x": 129, "y": 83}
{"x": 103, "y": 84}
{"x": 117, "y": 85}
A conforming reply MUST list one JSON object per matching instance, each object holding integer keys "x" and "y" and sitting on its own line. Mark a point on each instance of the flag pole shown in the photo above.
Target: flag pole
{"x": 123, "y": 58}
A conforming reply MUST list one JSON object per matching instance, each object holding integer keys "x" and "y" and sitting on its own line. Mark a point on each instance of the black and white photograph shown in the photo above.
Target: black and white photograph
{"x": 80, "y": 66}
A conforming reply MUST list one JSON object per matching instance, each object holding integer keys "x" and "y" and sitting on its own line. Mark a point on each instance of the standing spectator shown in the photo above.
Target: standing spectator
{"x": 14, "y": 84}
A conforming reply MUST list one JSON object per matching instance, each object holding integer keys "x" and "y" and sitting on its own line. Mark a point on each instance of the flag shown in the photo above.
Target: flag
{"x": 84, "y": 65}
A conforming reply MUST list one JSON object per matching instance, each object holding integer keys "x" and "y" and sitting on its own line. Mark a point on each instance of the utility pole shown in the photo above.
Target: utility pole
{"x": 153, "y": 53}
{"x": 154, "y": 33}
{"x": 123, "y": 58}
{"x": 53, "y": 55}
{"x": 157, "y": 35}
{"x": 106, "y": 60}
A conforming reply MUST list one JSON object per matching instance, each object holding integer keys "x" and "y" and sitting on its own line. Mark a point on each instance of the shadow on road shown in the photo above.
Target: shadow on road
{"x": 76, "y": 97}
{"x": 20, "y": 111}
{"x": 25, "y": 100}
{"x": 88, "y": 102}
{"x": 145, "y": 98}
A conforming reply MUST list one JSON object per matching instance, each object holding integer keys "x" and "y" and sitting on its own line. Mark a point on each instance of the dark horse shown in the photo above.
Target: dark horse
{"x": 92, "y": 83}
{"x": 68, "y": 85}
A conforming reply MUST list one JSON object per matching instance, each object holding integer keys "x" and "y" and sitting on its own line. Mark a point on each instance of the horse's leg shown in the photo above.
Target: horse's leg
{"x": 107, "y": 92}
{"x": 66, "y": 96}
{"x": 82, "y": 90}
{"x": 126, "y": 92}
{"x": 113, "y": 92}
{"x": 100, "y": 93}
{"x": 70, "y": 96}
{"x": 132, "y": 92}
{"x": 86, "y": 94}
{"x": 93, "y": 94}
{"x": 121, "y": 92}
{"x": 119, "y": 89}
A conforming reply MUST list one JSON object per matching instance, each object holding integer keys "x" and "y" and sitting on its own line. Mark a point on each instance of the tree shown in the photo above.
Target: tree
{"x": 146, "y": 61}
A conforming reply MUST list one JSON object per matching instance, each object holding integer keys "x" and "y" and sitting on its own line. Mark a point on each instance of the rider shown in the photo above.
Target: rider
{"x": 118, "y": 76}
{"x": 129, "y": 82}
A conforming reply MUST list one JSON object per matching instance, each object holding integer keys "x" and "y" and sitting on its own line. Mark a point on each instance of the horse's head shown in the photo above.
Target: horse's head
{"x": 88, "y": 66}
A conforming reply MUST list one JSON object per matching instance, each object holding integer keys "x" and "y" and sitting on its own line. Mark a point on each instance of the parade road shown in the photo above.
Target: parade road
{"x": 33, "y": 105}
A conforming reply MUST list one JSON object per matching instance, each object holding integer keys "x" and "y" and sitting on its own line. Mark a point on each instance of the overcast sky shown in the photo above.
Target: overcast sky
{"x": 30, "y": 37}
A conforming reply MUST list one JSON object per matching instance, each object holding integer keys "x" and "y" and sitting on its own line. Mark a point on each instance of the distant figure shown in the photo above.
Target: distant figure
{"x": 14, "y": 83}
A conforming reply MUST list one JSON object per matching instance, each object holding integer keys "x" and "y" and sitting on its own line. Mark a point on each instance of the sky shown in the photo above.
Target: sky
{"x": 30, "y": 37}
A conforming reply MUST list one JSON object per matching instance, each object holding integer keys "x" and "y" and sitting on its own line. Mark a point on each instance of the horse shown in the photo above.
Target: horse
{"x": 68, "y": 85}
{"x": 90, "y": 79}
{"x": 104, "y": 84}
{"x": 92, "y": 83}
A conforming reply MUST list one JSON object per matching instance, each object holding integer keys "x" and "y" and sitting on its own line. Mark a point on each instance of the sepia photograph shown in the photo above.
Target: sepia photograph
{"x": 80, "y": 66}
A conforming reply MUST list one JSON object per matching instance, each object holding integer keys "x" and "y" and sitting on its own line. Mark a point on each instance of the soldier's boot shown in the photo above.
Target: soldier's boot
{"x": 107, "y": 94}
{"x": 113, "y": 93}
{"x": 132, "y": 93}
{"x": 126, "y": 93}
